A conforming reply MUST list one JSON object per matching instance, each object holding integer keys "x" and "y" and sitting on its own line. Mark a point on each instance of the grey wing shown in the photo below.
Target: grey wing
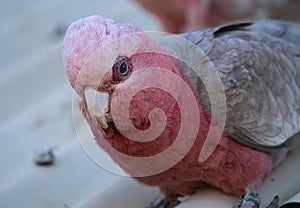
{"x": 259, "y": 65}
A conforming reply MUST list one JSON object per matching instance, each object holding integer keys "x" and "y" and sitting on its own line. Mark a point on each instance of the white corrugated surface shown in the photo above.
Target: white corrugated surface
{"x": 36, "y": 104}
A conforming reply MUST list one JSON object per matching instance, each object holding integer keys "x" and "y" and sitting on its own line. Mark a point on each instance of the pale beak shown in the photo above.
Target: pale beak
{"x": 98, "y": 106}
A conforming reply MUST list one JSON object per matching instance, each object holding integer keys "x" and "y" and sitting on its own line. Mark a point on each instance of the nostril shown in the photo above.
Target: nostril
{"x": 105, "y": 86}
{"x": 106, "y": 83}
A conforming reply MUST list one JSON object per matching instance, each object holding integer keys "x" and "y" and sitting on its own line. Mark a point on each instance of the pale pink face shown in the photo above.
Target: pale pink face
{"x": 99, "y": 57}
{"x": 91, "y": 47}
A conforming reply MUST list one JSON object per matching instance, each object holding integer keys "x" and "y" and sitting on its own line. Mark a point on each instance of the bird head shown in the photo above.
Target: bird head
{"x": 104, "y": 60}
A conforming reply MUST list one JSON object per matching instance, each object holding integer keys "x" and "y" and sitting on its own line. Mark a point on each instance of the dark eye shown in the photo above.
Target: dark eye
{"x": 123, "y": 68}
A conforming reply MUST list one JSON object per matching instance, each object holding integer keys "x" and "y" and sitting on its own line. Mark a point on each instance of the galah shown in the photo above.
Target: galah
{"x": 152, "y": 101}
{"x": 175, "y": 16}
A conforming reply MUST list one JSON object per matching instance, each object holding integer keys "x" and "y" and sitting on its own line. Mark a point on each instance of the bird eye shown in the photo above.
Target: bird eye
{"x": 123, "y": 68}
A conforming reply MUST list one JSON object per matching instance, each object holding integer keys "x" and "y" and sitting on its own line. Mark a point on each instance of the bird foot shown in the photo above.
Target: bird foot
{"x": 274, "y": 203}
{"x": 252, "y": 200}
{"x": 168, "y": 201}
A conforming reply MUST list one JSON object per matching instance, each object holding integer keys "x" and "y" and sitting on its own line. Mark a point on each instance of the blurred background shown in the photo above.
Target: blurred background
{"x": 36, "y": 99}
{"x": 36, "y": 103}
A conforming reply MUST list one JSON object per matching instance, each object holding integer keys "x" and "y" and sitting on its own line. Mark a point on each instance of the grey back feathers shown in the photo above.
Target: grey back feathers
{"x": 259, "y": 65}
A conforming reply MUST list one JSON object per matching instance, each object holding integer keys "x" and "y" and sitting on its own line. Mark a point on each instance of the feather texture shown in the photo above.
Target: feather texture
{"x": 258, "y": 64}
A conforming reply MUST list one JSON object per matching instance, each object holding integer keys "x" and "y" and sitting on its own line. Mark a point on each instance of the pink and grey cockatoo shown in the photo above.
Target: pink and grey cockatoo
{"x": 150, "y": 108}
{"x": 175, "y": 16}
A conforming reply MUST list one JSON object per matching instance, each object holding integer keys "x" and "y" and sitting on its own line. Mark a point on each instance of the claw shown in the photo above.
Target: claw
{"x": 249, "y": 200}
{"x": 274, "y": 203}
{"x": 168, "y": 201}
{"x": 252, "y": 200}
